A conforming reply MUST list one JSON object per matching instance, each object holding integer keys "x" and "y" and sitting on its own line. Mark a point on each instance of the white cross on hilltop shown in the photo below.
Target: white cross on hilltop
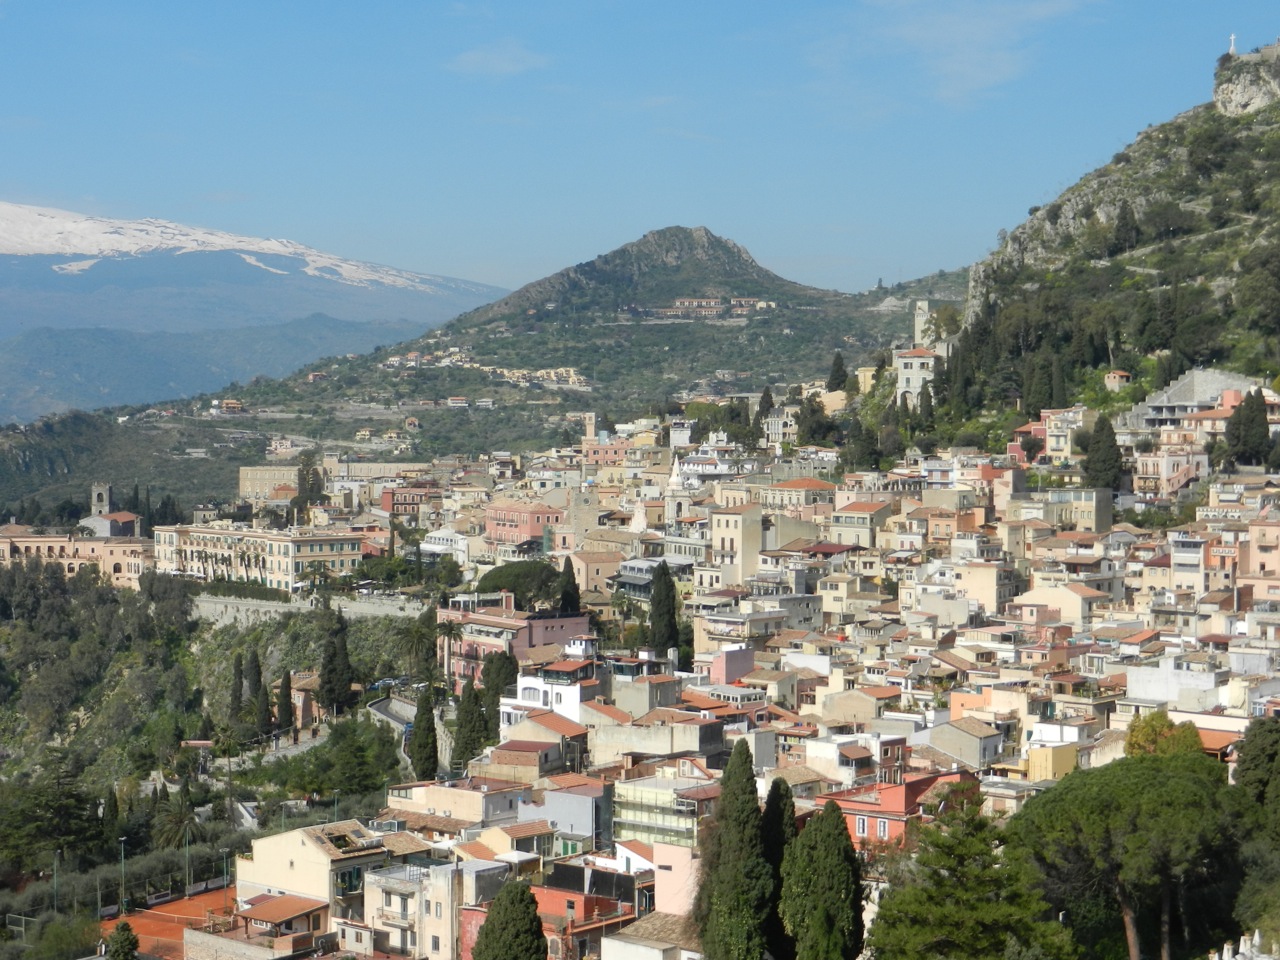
{"x": 1232, "y": 51}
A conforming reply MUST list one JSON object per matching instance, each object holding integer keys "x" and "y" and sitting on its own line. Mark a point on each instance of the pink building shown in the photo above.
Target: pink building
{"x": 502, "y": 629}
{"x": 511, "y": 523}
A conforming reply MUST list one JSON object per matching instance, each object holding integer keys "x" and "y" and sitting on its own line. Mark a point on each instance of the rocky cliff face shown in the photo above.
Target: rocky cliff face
{"x": 1248, "y": 83}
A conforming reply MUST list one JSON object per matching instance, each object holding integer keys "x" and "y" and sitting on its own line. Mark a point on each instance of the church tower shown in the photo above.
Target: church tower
{"x": 100, "y": 500}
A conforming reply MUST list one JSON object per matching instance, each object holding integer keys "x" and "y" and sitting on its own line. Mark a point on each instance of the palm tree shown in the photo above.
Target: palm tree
{"x": 418, "y": 642}
{"x": 173, "y": 821}
{"x": 448, "y": 632}
{"x": 623, "y": 607}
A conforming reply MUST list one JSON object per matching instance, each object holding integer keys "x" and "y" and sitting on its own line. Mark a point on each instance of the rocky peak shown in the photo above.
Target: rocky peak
{"x": 1248, "y": 82}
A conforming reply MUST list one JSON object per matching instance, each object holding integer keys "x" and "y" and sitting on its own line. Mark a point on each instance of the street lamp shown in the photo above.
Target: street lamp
{"x": 122, "y": 839}
{"x": 223, "y": 851}
{"x": 57, "y": 855}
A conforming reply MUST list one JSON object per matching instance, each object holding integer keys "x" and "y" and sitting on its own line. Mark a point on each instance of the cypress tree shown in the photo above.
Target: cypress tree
{"x": 253, "y": 673}
{"x": 777, "y": 831}
{"x": 423, "y": 753}
{"x": 512, "y": 929}
{"x": 821, "y": 902}
{"x": 284, "y": 702}
{"x": 237, "y": 689}
{"x": 1102, "y": 465}
{"x": 469, "y": 735}
{"x": 838, "y": 374}
{"x": 736, "y": 882}
{"x": 262, "y": 710}
{"x": 664, "y": 631}
{"x": 110, "y": 818}
{"x": 497, "y": 672}
{"x": 570, "y": 596}
{"x": 1058, "y": 384}
{"x": 924, "y": 407}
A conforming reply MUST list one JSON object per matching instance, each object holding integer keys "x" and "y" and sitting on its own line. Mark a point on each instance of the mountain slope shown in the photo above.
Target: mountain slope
{"x": 1165, "y": 258}
{"x": 48, "y": 371}
{"x": 106, "y": 285}
{"x": 615, "y": 322}
{"x": 657, "y": 268}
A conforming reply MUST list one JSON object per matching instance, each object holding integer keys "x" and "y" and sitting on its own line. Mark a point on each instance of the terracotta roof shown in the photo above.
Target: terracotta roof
{"x": 804, "y": 483}
{"x": 533, "y": 828}
{"x": 550, "y": 720}
{"x": 283, "y": 908}
{"x": 880, "y": 693}
{"x": 638, "y": 848}
{"x": 426, "y": 822}
{"x": 974, "y": 727}
{"x": 475, "y": 850}
{"x": 677, "y": 929}
{"x": 523, "y": 746}
{"x": 563, "y": 781}
{"x": 609, "y": 710}
{"x": 1216, "y": 740}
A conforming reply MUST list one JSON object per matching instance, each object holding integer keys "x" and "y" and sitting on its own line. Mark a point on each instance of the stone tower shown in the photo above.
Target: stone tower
{"x": 100, "y": 499}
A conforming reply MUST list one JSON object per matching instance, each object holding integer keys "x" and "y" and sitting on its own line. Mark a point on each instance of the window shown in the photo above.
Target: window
{"x": 882, "y": 829}
{"x": 435, "y": 944}
{"x": 437, "y": 909}
{"x": 386, "y": 898}
{"x": 860, "y": 826}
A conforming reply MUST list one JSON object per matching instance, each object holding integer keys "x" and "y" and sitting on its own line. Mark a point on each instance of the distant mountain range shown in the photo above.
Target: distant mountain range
{"x": 88, "y": 277}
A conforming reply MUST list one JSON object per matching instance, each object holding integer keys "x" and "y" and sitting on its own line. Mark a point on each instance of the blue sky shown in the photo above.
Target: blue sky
{"x": 840, "y": 142}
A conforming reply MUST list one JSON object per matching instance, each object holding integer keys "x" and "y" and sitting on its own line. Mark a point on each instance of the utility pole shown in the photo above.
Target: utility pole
{"x": 223, "y": 851}
{"x": 122, "y": 839}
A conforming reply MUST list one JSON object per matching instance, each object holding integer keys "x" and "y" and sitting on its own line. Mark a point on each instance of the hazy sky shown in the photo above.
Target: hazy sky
{"x": 839, "y": 142}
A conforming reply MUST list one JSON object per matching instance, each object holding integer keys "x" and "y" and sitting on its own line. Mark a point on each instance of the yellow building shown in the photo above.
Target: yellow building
{"x": 284, "y": 559}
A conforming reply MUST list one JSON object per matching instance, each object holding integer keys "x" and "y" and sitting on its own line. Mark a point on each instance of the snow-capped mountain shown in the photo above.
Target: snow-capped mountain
{"x": 229, "y": 307}
{"x": 85, "y": 240}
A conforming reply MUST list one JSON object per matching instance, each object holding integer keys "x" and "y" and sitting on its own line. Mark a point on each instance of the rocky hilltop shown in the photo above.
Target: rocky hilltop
{"x": 651, "y": 271}
{"x": 1196, "y": 182}
{"x": 1248, "y": 82}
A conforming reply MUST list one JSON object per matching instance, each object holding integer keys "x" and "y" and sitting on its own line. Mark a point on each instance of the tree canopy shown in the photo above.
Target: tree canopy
{"x": 821, "y": 901}
{"x": 1142, "y": 829}
{"x": 423, "y": 753}
{"x": 512, "y": 929}
{"x": 736, "y": 882}
{"x": 964, "y": 898}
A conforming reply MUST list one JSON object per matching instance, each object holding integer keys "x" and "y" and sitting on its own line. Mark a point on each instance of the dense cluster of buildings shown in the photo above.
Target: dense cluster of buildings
{"x": 874, "y": 636}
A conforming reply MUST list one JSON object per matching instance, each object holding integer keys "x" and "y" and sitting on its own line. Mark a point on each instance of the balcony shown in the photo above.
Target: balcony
{"x": 400, "y": 919}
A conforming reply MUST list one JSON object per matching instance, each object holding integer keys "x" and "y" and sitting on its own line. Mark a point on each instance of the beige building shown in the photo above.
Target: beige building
{"x": 284, "y": 559}
{"x": 121, "y": 559}
{"x": 326, "y": 864}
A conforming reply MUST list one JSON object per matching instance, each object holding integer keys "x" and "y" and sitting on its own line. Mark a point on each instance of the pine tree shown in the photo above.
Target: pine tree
{"x": 962, "y": 899}
{"x": 777, "y": 831}
{"x": 470, "y": 734}
{"x": 253, "y": 673}
{"x": 122, "y": 944}
{"x": 423, "y": 753}
{"x": 838, "y": 374}
{"x": 664, "y": 631}
{"x": 284, "y": 702}
{"x": 512, "y": 929}
{"x": 570, "y": 596}
{"x": 736, "y": 882}
{"x": 821, "y": 901}
{"x": 237, "y": 689}
{"x": 1102, "y": 465}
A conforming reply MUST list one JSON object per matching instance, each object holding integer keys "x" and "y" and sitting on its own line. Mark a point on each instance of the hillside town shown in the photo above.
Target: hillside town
{"x": 874, "y": 637}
